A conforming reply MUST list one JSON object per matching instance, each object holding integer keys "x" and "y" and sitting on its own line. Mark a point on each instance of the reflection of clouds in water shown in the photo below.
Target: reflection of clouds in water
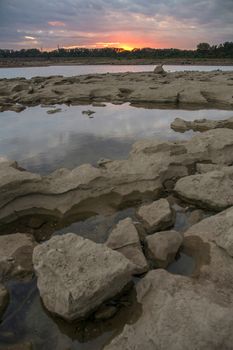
{"x": 69, "y": 138}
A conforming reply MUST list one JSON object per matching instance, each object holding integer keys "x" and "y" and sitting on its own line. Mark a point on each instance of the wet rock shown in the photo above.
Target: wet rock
{"x": 156, "y": 216}
{"x": 125, "y": 239}
{"x": 178, "y": 313}
{"x": 76, "y": 275}
{"x": 213, "y": 190}
{"x": 88, "y": 112}
{"x": 105, "y": 312}
{"x": 16, "y": 256}
{"x": 98, "y": 104}
{"x": 36, "y": 222}
{"x": 201, "y": 125}
{"x": 21, "y": 346}
{"x": 4, "y": 297}
{"x": 90, "y": 190}
{"x": 53, "y": 111}
{"x": 196, "y": 216}
{"x": 162, "y": 247}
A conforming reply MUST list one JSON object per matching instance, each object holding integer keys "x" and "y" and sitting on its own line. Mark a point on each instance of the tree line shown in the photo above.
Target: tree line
{"x": 203, "y": 50}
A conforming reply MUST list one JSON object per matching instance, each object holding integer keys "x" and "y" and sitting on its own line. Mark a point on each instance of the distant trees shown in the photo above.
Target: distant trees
{"x": 204, "y": 50}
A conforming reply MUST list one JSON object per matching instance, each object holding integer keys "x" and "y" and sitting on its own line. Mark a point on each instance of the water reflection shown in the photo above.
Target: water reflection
{"x": 42, "y": 143}
{"x": 29, "y": 72}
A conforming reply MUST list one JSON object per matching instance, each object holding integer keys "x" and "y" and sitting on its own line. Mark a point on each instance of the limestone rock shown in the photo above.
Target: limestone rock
{"x": 162, "y": 247}
{"x": 76, "y": 275}
{"x": 3, "y": 299}
{"x": 87, "y": 189}
{"x": 156, "y": 216}
{"x": 178, "y": 313}
{"x": 201, "y": 125}
{"x": 125, "y": 239}
{"x": 213, "y": 190}
{"x": 159, "y": 69}
{"x": 16, "y": 255}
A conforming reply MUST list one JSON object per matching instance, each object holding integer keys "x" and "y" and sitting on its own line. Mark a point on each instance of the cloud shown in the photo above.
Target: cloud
{"x": 168, "y": 23}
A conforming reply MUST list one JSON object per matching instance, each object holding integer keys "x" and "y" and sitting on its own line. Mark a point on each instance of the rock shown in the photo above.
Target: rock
{"x": 196, "y": 216}
{"x": 87, "y": 189}
{"x": 206, "y": 168}
{"x": 105, "y": 312}
{"x": 4, "y": 298}
{"x": 125, "y": 239}
{"x": 201, "y": 125}
{"x": 21, "y": 346}
{"x": 162, "y": 247}
{"x": 98, "y": 104}
{"x": 177, "y": 313}
{"x": 101, "y": 162}
{"x": 16, "y": 256}
{"x": 159, "y": 69}
{"x": 213, "y": 190}
{"x": 156, "y": 216}
{"x": 52, "y": 111}
{"x": 76, "y": 275}
{"x": 88, "y": 112}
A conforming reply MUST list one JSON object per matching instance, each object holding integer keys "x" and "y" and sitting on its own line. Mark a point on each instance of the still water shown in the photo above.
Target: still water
{"x": 29, "y": 72}
{"x": 43, "y": 142}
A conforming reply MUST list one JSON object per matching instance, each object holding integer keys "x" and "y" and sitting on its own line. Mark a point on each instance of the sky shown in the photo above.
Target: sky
{"x": 114, "y": 23}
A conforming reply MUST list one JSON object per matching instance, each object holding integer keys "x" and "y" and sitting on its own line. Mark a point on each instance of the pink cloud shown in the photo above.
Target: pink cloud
{"x": 56, "y": 24}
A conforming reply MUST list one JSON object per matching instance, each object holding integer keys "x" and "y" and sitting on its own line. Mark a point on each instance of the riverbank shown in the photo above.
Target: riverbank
{"x": 30, "y": 62}
{"x": 179, "y": 89}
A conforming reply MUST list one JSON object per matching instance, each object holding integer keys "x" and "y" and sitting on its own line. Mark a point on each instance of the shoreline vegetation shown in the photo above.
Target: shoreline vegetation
{"x": 205, "y": 54}
{"x": 61, "y": 61}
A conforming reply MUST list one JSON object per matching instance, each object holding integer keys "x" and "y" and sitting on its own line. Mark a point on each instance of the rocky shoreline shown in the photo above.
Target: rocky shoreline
{"x": 180, "y": 89}
{"x": 77, "y": 278}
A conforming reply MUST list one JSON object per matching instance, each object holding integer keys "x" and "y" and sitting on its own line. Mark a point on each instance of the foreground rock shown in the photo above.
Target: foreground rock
{"x": 4, "y": 297}
{"x": 125, "y": 239}
{"x": 156, "y": 216}
{"x": 151, "y": 168}
{"x": 212, "y": 190}
{"x": 76, "y": 275}
{"x": 180, "y": 88}
{"x": 178, "y": 313}
{"x": 16, "y": 256}
{"x": 162, "y": 247}
{"x": 187, "y": 312}
{"x": 201, "y": 125}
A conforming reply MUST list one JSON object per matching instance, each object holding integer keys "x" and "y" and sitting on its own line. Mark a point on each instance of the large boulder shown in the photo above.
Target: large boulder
{"x": 76, "y": 275}
{"x": 213, "y": 190}
{"x": 4, "y": 297}
{"x": 125, "y": 239}
{"x": 178, "y": 313}
{"x": 162, "y": 247}
{"x": 156, "y": 216}
{"x": 16, "y": 256}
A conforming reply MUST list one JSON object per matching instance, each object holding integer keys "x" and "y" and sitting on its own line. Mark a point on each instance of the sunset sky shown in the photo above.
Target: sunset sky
{"x": 114, "y": 23}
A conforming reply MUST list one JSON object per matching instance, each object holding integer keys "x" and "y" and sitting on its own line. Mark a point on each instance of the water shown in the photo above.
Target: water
{"x": 29, "y": 72}
{"x": 42, "y": 143}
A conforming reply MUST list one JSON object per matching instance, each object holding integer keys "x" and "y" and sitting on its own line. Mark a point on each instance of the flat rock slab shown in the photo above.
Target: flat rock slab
{"x": 4, "y": 297}
{"x": 201, "y": 125}
{"x": 16, "y": 256}
{"x": 156, "y": 216}
{"x": 213, "y": 190}
{"x": 76, "y": 275}
{"x": 183, "y": 88}
{"x": 125, "y": 239}
{"x": 177, "y": 313}
{"x": 162, "y": 247}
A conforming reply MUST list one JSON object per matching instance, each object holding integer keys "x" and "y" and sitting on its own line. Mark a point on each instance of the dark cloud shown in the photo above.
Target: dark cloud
{"x": 86, "y": 22}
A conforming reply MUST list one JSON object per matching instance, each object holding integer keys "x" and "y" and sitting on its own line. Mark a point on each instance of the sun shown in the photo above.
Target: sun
{"x": 127, "y": 47}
